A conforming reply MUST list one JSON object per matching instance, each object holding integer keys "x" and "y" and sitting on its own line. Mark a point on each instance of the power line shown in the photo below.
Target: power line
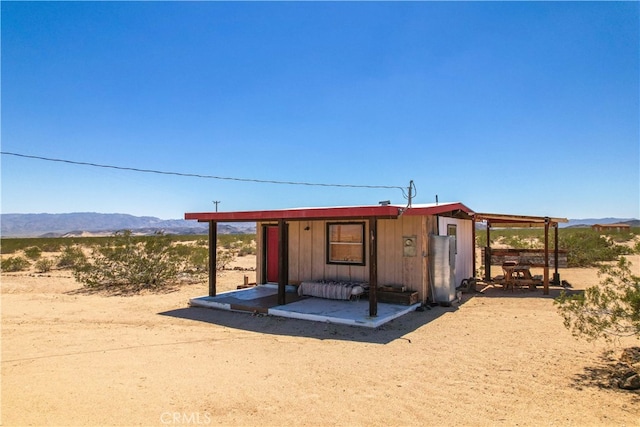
{"x": 194, "y": 175}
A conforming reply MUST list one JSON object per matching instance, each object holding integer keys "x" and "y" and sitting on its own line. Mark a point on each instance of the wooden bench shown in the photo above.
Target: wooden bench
{"x": 404, "y": 297}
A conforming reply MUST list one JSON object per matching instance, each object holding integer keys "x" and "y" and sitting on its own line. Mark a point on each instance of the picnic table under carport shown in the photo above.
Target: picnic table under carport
{"x": 522, "y": 221}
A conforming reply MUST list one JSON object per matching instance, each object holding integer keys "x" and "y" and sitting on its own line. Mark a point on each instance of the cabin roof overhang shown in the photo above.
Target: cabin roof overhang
{"x": 334, "y": 213}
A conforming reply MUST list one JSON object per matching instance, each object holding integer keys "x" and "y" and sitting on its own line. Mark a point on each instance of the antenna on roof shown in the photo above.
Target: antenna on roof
{"x": 436, "y": 200}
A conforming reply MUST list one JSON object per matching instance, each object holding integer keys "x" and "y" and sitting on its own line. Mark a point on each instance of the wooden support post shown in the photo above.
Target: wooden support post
{"x": 473, "y": 245}
{"x": 556, "y": 275}
{"x": 424, "y": 252}
{"x": 283, "y": 261}
{"x": 487, "y": 255}
{"x": 213, "y": 245}
{"x": 373, "y": 267}
{"x": 546, "y": 257}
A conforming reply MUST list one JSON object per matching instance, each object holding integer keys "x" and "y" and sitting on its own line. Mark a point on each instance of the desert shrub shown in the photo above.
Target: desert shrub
{"x": 227, "y": 241}
{"x": 70, "y": 257}
{"x": 129, "y": 264}
{"x": 523, "y": 238}
{"x": 198, "y": 259}
{"x": 247, "y": 249}
{"x": 33, "y": 252}
{"x": 194, "y": 259}
{"x": 181, "y": 250}
{"x": 50, "y": 245}
{"x": 16, "y": 263}
{"x": 241, "y": 246}
{"x": 481, "y": 239}
{"x": 608, "y": 310}
{"x": 618, "y": 236}
{"x": 227, "y": 244}
{"x": 43, "y": 265}
{"x": 8, "y": 247}
{"x": 13, "y": 244}
{"x": 224, "y": 259}
{"x": 523, "y": 242}
{"x": 587, "y": 248}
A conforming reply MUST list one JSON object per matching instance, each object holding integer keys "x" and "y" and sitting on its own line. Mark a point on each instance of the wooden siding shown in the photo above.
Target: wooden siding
{"x": 393, "y": 267}
{"x": 307, "y": 257}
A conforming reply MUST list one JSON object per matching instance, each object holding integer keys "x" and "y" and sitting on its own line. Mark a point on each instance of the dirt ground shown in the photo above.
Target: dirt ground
{"x": 498, "y": 358}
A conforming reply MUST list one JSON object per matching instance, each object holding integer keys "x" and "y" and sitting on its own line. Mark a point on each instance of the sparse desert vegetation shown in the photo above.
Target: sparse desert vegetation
{"x": 125, "y": 262}
{"x": 72, "y": 357}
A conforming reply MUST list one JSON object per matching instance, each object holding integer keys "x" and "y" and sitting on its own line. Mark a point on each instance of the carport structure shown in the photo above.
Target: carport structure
{"x": 522, "y": 221}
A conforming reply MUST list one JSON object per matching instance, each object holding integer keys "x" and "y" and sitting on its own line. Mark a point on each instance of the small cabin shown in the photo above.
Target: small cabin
{"x": 422, "y": 249}
{"x": 611, "y": 227}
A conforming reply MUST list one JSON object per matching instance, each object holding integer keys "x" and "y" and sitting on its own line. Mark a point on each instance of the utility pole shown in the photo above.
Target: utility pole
{"x": 216, "y": 203}
{"x": 410, "y": 195}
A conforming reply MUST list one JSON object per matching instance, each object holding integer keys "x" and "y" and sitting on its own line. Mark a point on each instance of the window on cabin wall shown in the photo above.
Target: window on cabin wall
{"x": 345, "y": 243}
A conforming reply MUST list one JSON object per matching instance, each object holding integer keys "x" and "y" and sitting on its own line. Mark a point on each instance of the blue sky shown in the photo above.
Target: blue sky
{"x": 523, "y": 108}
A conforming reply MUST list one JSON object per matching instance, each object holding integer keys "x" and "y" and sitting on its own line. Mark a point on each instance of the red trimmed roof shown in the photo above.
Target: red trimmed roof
{"x": 349, "y": 212}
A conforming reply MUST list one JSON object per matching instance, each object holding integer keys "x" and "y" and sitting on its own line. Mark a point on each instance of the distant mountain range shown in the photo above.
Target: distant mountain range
{"x": 96, "y": 224}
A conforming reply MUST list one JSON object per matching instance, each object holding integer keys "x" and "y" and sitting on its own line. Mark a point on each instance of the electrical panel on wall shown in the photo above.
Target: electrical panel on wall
{"x": 409, "y": 244}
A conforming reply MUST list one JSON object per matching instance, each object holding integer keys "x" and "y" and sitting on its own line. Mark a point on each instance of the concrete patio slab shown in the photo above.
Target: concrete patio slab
{"x": 355, "y": 313}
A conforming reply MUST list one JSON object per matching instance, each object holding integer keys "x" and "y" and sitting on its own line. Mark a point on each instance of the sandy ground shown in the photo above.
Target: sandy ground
{"x": 499, "y": 358}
